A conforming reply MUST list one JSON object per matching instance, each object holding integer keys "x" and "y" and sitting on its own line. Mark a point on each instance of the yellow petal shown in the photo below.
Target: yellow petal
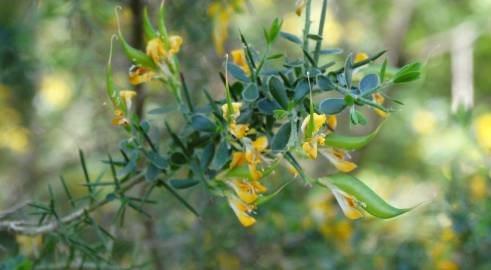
{"x": 238, "y": 57}
{"x": 299, "y": 5}
{"x": 360, "y": 57}
{"x": 310, "y": 149}
{"x": 260, "y": 144}
{"x": 293, "y": 171}
{"x": 244, "y": 190}
{"x": 155, "y": 49}
{"x": 319, "y": 120}
{"x": 238, "y": 130}
{"x": 260, "y": 188}
{"x": 127, "y": 96}
{"x": 255, "y": 174}
{"x": 238, "y": 158}
{"x": 175, "y": 44}
{"x": 332, "y": 121}
{"x": 236, "y": 110}
{"x": 347, "y": 203}
{"x": 138, "y": 75}
{"x": 345, "y": 166}
{"x": 381, "y": 113}
{"x": 240, "y": 209}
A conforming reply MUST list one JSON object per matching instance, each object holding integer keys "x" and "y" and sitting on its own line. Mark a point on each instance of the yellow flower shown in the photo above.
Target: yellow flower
{"x": 332, "y": 121}
{"x": 127, "y": 96}
{"x": 238, "y": 130}
{"x": 348, "y": 203}
{"x": 241, "y": 210}
{"x": 253, "y": 155}
{"x": 447, "y": 265}
{"x": 221, "y": 19}
{"x": 119, "y": 119}
{"x": 235, "y": 110}
{"x": 360, "y": 57}
{"x": 338, "y": 158}
{"x": 155, "y": 49}
{"x": 319, "y": 120}
{"x": 483, "y": 131}
{"x": 245, "y": 190}
{"x": 238, "y": 57}
{"x": 311, "y": 149}
{"x": 140, "y": 75}
{"x": 299, "y": 5}
{"x": 379, "y": 99}
{"x": 238, "y": 158}
{"x": 175, "y": 45}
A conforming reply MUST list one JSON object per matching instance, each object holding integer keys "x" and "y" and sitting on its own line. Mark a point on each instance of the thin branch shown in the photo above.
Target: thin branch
{"x": 26, "y": 228}
{"x": 13, "y": 209}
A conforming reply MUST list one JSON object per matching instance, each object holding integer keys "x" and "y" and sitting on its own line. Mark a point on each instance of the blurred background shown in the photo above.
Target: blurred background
{"x": 436, "y": 149}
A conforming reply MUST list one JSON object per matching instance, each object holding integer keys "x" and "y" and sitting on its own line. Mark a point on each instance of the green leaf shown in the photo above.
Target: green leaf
{"x": 357, "y": 118}
{"x": 369, "y": 83}
{"x": 333, "y": 51}
{"x": 136, "y": 56}
{"x": 147, "y": 25}
{"x": 222, "y": 156}
{"x": 332, "y": 106}
{"x": 178, "y": 158}
{"x": 183, "y": 183}
{"x": 301, "y": 90}
{"x": 280, "y": 114}
{"x": 157, "y": 160}
{"x": 151, "y": 173}
{"x": 237, "y": 72}
{"x": 348, "y": 70}
{"x": 291, "y": 37}
{"x": 407, "y": 77}
{"x": 350, "y": 142}
{"x": 161, "y": 22}
{"x": 274, "y": 30}
{"x": 163, "y": 110}
{"x": 250, "y": 93}
{"x": 268, "y": 197}
{"x": 314, "y": 37}
{"x": 281, "y": 138}
{"x": 278, "y": 91}
{"x": 383, "y": 69}
{"x": 370, "y": 201}
{"x": 267, "y": 106}
{"x": 202, "y": 123}
{"x": 409, "y": 72}
{"x": 324, "y": 83}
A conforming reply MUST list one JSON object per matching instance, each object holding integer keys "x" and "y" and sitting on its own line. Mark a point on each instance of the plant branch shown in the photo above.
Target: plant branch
{"x": 26, "y": 228}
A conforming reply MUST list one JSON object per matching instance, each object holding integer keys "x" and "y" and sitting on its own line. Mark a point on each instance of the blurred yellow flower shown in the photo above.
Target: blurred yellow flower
{"x": 138, "y": 75}
{"x": 55, "y": 91}
{"x": 424, "y": 122}
{"x": 238, "y": 57}
{"x": 348, "y": 204}
{"x": 447, "y": 265}
{"x": 478, "y": 187}
{"x": 299, "y": 5}
{"x": 241, "y": 210}
{"x": 379, "y": 99}
{"x": 155, "y": 49}
{"x": 15, "y": 138}
{"x": 29, "y": 245}
{"x": 483, "y": 131}
{"x": 235, "y": 110}
{"x": 361, "y": 56}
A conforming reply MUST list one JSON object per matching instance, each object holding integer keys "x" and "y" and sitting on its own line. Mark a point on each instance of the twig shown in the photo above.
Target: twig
{"x": 13, "y": 209}
{"x": 26, "y": 228}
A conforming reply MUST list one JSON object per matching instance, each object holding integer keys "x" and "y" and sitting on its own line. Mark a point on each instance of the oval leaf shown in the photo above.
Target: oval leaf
{"x": 370, "y": 201}
{"x": 324, "y": 83}
{"x": 183, "y": 183}
{"x": 301, "y": 90}
{"x": 237, "y": 72}
{"x": 278, "y": 91}
{"x": 267, "y": 106}
{"x": 291, "y": 37}
{"x": 251, "y": 93}
{"x": 332, "y": 106}
{"x": 281, "y": 138}
{"x": 369, "y": 83}
{"x": 202, "y": 123}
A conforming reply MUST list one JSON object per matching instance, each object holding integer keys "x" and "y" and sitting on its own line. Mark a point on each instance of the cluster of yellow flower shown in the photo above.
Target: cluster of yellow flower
{"x": 246, "y": 191}
{"x": 161, "y": 51}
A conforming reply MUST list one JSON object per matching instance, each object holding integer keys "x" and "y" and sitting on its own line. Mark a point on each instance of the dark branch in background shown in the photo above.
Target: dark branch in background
{"x": 137, "y": 41}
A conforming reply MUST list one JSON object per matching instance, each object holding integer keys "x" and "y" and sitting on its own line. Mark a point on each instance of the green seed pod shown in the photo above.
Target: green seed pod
{"x": 367, "y": 198}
